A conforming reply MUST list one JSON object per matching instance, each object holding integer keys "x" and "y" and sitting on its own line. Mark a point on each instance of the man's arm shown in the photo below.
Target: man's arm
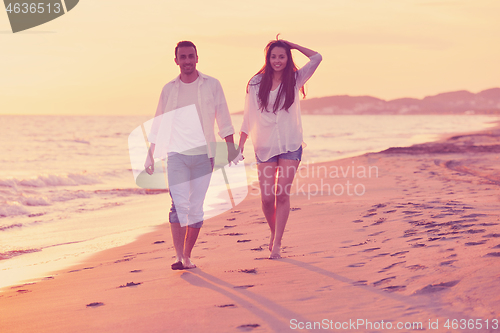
{"x": 149, "y": 165}
{"x": 150, "y": 162}
{"x": 232, "y": 152}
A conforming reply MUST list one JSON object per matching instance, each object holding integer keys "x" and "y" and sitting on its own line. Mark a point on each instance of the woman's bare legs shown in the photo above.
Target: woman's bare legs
{"x": 267, "y": 179}
{"x": 275, "y": 198}
{"x": 286, "y": 174}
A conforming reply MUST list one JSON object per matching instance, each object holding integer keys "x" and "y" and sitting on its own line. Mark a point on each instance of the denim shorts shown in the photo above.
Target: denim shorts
{"x": 290, "y": 155}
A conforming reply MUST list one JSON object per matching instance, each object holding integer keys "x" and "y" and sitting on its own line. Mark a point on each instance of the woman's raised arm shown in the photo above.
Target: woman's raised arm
{"x": 304, "y": 50}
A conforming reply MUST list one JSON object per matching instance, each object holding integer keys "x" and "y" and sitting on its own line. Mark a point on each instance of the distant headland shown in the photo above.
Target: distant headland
{"x": 455, "y": 102}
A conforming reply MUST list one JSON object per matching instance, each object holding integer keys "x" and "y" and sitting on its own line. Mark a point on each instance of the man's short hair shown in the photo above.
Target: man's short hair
{"x": 185, "y": 43}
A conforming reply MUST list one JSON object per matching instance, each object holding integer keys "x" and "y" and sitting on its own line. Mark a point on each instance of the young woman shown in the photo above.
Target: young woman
{"x": 272, "y": 120}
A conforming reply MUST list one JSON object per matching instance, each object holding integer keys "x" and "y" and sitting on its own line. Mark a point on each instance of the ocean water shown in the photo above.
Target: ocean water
{"x": 67, "y": 188}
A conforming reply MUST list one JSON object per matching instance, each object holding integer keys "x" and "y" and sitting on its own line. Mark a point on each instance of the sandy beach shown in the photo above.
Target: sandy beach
{"x": 400, "y": 240}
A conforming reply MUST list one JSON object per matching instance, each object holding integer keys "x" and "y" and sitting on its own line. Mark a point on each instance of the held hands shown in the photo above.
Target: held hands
{"x": 237, "y": 159}
{"x": 234, "y": 155}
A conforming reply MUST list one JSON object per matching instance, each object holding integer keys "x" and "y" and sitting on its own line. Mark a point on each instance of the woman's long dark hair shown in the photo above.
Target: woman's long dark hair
{"x": 286, "y": 91}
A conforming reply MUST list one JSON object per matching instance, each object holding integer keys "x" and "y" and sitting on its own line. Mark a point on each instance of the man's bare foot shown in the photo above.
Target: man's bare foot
{"x": 177, "y": 265}
{"x": 188, "y": 264}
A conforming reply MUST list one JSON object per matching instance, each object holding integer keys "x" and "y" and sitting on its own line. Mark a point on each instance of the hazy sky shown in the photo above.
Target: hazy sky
{"x": 113, "y": 57}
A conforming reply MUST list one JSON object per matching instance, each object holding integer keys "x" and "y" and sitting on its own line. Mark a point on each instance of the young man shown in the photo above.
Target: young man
{"x": 190, "y": 147}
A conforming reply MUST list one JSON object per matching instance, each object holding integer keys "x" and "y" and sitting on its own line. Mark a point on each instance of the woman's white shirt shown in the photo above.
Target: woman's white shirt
{"x": 276, "y": 133}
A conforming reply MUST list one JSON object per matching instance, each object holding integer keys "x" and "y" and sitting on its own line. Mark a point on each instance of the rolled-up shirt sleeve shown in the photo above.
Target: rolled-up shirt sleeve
{"x": 222, "y": 115}
{"x": 308, "y": 69}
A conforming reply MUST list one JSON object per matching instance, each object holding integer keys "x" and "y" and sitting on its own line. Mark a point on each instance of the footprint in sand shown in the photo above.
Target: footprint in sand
{"x": 250, "y": 271}
{"x": 488, "y": 224}
{"x": 379, "y": 205}
{"x": 383, "y": 281}
{"x": 95, "y": 304}
{"x": 392, "y": 289}
{"x": 23, "y": 291}
{"x": 360, "y": 283}
{"x": 248, "y": 327}
{"x": 385, "y": 269}
{"x": 399, "y": 253}
{"x": 359, "y": 264}
{"x": 476, "y": 243}
{"x": 379, "y": 221}
{"x": 492, "y": 254}
{"x": 475, "y": 231}
{"x": 416, "y": 267}
{"x": 123, "y": 260}
{"x": 371, "y": 249}
{"x": 226, "y": 306}
{"x": 492, "y": 236}
{"x": 78, "y": 270}
{"x": 432, "y": 288}
{"x": 412, "y": 212}
{"x": 473, "y": 216}
{"x": 130, "y": 284}
{"x": 246, "y": 286}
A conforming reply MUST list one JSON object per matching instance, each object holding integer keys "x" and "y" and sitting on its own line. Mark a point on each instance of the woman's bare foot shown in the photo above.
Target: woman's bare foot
{"x": 186, "y": 262}
{"x": 276, "y": 251}
{"x": 271, "y": 242}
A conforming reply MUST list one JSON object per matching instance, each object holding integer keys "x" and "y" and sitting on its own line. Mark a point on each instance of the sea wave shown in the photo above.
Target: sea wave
{"x": 15, "y": 253}
{"x": 12, "y": 208}
{"x": 10, "y": 226}
{"x": 48, "y": 180}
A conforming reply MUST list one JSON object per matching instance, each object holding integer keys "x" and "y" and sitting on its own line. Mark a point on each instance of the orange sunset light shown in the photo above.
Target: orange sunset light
{"x": 114, "y": 57}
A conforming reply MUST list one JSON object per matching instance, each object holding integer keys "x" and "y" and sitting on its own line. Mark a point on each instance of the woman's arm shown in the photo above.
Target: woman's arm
{"x": 308, "y": 70}
{"x": 243, "y": 139}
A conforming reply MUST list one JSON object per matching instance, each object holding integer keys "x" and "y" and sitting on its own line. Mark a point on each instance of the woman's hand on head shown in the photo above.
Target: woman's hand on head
{"x": 290, "y": 44}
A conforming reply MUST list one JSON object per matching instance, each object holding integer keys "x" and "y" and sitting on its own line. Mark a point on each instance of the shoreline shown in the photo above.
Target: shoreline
{"x": 421, "y": 244}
